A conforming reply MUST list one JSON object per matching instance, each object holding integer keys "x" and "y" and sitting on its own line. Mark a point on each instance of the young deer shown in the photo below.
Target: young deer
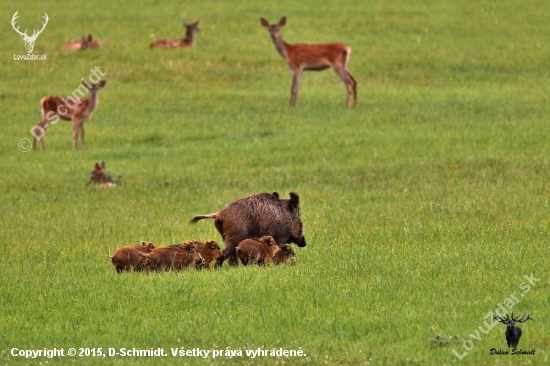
{"x": 98, "y": 176}
{"x": 77, "y": 110}
{"x": 84, "y": 43}
{"x": 93, "y": 44}
{"x": 187, "y": 42}
{"x": 301, "y": 57}
{"x": 76, "y": 45}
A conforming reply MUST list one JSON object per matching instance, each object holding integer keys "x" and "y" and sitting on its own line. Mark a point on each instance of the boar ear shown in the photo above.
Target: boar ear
{"x": 143, "y": 244}
{"x": 276, "y": 194}
{"x": 294, "y": 202}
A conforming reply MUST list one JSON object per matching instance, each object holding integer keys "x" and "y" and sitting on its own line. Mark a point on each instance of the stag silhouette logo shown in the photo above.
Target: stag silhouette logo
{"x": 29, "y": 40}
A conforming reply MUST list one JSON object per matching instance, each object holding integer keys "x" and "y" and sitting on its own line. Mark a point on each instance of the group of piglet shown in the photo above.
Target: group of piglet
{"x": 256, "y": 230}
{"x": 198, "y": 255}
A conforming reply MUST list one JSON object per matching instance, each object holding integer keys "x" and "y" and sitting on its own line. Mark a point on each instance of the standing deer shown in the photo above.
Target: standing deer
{"x": 78, "y": 110}
{"x": 301, "y": 57}
{"x": 187, "y": 42}
{"x": 76, "y": 45}
{"x": 513, "y": 333}
{"x": 29, "y": 41}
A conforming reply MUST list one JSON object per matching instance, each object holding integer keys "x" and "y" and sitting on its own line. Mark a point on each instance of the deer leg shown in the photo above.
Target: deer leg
{"x": 41, "y": 129}
{"x": 354, "y": 89}
{"x": 350, "y": 84}
{"x": 81, "y": 127}
{"x": 295, "y": 85}
{"x": 75, "y": 135}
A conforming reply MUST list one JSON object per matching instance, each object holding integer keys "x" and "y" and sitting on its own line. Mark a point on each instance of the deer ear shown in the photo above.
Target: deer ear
{"x": 102, "y": 166}
{"x": 102, "y": 83}
{"x": 265, "y": 23}
{"x": 282, "y": 21}
{"x": 97, "y": 166}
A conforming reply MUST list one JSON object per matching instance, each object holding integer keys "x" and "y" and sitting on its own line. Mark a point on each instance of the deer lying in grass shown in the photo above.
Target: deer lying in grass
{"x": 302, "y": 57}
{"x": 93, "y": 44}
{"x": 187, "y": 42}
{"x": 77, "y": 110}
{"x": 99, "y": 177}
{"x": 83, "y": 44}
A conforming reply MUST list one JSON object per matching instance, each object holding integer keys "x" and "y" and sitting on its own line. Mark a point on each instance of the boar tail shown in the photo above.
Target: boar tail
{"x": 197, "y": 218}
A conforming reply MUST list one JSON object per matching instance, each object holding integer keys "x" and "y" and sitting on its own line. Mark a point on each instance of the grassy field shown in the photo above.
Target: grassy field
{"x": 424, "y": 208}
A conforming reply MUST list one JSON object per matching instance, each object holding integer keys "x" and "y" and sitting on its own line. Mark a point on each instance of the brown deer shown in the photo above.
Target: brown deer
{"x": 99, "y": 177}
{"x": 84, "y": 43}
{"x": 301, "y": 57}
{"x": 93, "y": 44}
{"x": 187, "y": 42}
{"x": 77, "y": 110}
{"x": 76, "y": 45}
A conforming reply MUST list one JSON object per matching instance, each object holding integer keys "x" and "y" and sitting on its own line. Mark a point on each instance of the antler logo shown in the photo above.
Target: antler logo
{"x": 29, "y": 40}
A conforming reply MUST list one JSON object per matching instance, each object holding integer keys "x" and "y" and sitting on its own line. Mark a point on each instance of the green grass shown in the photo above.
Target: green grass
{"x": 424, "y": 208}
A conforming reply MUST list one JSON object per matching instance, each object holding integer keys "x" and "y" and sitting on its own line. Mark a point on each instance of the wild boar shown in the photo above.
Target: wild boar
{"x": 175, "y": 257}
{"x": 255, "y": 216}
{"x": 285, "y": 253}
{"x": 129, "y": 258}
{"x": 210, "y": 251}
{"x": 257, "y": 251}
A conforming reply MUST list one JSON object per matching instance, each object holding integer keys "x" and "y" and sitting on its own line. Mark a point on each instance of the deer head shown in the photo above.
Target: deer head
{"x": 29, "y": 40}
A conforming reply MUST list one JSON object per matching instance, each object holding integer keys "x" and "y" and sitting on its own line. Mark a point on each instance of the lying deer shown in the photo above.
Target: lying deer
{"x": 187, "y": 42}
{"x": 84, "y": 43}
{"x": 77, "y": 110}
{"x": 301, "y": 57}
{"x": 513, "y": 333}
{"x": 93, "y": 44}
{"x": 98, "y": 176}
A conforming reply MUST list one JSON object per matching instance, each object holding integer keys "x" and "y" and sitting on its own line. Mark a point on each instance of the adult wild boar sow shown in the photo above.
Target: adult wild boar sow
{"x": 255, "y": 216}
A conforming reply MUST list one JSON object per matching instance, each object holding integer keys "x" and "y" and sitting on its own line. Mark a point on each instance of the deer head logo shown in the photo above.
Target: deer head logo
{"x": 513, "y": 332}
{"x": 29, "y": 40}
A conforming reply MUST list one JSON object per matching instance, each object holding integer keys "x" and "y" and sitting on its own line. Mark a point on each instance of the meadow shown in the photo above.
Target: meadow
{"x": 424, "y": 208}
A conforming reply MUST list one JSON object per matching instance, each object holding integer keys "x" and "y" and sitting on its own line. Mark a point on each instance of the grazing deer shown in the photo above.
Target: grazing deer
{"x": 301, "y": 57}
{"x": 29, "y": 41}
{"x": 99, "y": 177}
{"x": 187, "y": 42}
{"x": 78, "y": 110}
{"x": 76, "y": 45}
{"x": 513, "y": 333}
